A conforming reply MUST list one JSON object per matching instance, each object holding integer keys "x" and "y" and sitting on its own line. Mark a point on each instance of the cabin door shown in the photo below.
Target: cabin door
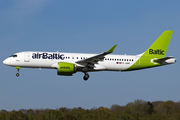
{"x": 26, "y": 57}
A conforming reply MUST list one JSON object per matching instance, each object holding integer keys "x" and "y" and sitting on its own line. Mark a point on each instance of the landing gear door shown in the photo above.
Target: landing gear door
{"x": 26, "y": 57}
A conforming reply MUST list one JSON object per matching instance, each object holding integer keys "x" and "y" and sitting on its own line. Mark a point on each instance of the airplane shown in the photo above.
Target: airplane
{"x": 69, "y": 63}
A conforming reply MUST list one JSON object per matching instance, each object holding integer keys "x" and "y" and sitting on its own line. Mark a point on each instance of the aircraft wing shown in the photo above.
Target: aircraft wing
{"x": 95, "y": 59}
{"x": 163, "y": 59}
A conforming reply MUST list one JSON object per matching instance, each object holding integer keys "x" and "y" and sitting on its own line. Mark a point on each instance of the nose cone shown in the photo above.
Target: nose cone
{"x": 6, "y": 61}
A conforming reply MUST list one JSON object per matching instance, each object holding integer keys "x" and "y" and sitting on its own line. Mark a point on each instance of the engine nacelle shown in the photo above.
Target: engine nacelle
{"x": 169, "y": 61}
{"x": 66, "y": 69}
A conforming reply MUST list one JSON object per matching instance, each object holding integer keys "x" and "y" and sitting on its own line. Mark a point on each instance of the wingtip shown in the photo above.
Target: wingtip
{"x": 169, "y": 31}
{"x": 112, "y": 49}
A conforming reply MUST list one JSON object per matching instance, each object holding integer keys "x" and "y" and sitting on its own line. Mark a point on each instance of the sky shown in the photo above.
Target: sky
{"x": 89, "y": 26}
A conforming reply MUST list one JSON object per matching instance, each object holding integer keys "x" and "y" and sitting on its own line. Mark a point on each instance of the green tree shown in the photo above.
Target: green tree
{"x": 3, "y": 114}
{"x": 138, "y": 108}
{"x": 165, "y": 107}
{"x": 53, "y": 115}
{"x": 16, "y": 115}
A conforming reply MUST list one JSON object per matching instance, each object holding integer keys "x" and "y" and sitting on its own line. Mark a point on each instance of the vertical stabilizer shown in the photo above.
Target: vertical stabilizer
{"x": 159, "y": 47}
{"x": 156, "y": 51}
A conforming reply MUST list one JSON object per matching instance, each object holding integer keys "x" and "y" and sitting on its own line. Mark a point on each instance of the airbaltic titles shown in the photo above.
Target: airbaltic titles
{"x": 157, "y": 51}
{"x": 48, "y": 56}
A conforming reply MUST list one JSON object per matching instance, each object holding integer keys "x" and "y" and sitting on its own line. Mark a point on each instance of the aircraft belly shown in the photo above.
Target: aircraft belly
{"x": 116, "y": 66}
{"x": 99, "y": 67}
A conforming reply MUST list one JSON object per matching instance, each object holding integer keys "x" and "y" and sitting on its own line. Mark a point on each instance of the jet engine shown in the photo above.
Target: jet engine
{"x": 65, "y": 68}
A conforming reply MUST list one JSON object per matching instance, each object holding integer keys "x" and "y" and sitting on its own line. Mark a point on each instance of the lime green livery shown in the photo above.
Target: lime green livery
{"x": 156, "y": 51}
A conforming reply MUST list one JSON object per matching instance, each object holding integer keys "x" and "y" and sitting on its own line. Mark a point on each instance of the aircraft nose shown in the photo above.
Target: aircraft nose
{"x": 6, "y": 62}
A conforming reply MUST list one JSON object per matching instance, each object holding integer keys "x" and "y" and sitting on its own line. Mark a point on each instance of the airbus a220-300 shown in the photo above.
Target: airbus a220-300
{"x": 69, "y": 63}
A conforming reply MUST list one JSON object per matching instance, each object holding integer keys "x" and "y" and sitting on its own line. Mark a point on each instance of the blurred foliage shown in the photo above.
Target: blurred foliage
{"x": 137, "y": 110}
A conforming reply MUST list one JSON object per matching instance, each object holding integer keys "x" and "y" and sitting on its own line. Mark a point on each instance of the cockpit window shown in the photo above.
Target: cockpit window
{"x": 13, "y": 56}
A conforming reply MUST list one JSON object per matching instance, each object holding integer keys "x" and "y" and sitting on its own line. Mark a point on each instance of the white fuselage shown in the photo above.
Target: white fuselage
{"x": 50, "y": 60}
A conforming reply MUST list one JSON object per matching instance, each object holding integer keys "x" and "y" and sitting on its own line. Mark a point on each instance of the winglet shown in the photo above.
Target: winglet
{"x": 112, "y": 49}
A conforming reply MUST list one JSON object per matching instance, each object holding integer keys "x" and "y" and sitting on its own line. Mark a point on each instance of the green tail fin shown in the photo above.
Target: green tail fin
{"x": 159, "y": 47}
{"x": 156, "y": 51}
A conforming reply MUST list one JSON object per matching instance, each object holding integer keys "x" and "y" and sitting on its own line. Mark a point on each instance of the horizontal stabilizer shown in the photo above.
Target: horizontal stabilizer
{"x": 163, "y": 59}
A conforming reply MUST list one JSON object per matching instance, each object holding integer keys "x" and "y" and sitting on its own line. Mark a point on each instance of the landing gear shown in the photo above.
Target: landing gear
{"x": 17, "y": 74}
{"x": 86, "y": 76}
